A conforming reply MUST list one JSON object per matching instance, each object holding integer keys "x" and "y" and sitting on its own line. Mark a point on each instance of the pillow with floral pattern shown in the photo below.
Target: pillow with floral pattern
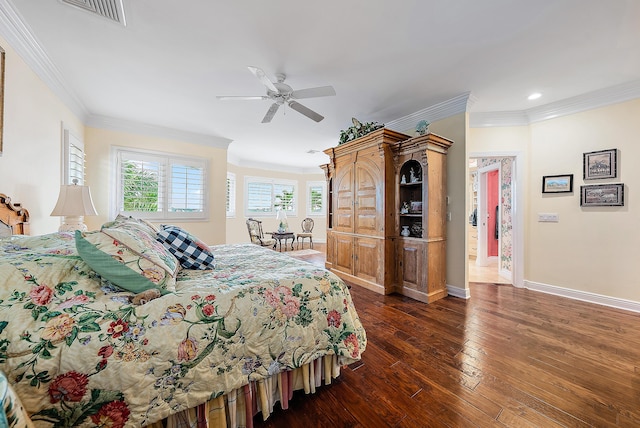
{"x": 129, "y": 258}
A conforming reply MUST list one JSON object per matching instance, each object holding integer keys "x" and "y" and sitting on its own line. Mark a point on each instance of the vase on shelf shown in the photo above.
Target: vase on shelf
{"x": 405, "y": 231}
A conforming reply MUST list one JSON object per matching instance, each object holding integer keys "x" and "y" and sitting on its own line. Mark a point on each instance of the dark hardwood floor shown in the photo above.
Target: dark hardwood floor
{"x": 506, "y": 357}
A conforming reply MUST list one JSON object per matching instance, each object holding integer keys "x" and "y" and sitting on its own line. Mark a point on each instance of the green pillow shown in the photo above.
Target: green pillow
{"x": 128, "y": 263}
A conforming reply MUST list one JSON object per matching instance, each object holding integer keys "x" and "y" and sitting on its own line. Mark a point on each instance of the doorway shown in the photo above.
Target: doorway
{"x": 490, "y": 232}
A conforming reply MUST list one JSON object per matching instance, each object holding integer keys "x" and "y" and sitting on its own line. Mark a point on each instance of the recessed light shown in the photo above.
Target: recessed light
{"x": 534, "y": 96}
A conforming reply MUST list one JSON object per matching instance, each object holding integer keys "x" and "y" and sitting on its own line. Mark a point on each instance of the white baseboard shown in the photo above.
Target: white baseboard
{"x": 462, "y": 293}
{"x": 584, "y": 296}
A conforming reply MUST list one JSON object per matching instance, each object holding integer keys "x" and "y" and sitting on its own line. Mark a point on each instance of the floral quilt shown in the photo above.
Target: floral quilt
{"x": 78, "y": 352}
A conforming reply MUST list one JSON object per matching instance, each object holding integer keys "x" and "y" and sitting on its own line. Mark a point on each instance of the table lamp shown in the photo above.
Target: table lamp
{"x": 74, "y": 202}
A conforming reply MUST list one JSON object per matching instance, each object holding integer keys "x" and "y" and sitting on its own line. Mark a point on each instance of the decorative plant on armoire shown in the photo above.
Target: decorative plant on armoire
{"x": 358, "y": 130}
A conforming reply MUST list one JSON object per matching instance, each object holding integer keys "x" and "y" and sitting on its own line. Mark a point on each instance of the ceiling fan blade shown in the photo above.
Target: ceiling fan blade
{"x": 305, "y": 111}
{"x": 320, "y": 91}
{"x": 254, "y": 97}
{"x": 271, "y": 112}
{"x": 263, "y": 78}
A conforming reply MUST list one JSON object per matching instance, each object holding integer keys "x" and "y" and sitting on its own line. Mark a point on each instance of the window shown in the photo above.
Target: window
{"x": 264, "y": 196}
{"x": 231, "y": 194}
{"x": 315, "y": 198}
{"x": 73, "y": 159}
{"x": 160, "y": 186}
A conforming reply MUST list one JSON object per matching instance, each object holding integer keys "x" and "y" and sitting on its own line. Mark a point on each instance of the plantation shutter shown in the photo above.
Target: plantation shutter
{"x": 231, "y": 195}
{"x": 73, "y": 159}
{"x": 264, "y": 196}
{"x": 316, "y": 200}
{"x": 157, "y": 185}
{"x": 259, "y": 197}
{"x": 187, "y": 188}
{"x": 283, "y": 197}
{"x": 142, "y": 179}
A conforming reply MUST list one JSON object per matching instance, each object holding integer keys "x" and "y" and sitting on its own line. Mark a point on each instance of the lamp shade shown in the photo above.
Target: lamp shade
{"x": 74, "y": 200}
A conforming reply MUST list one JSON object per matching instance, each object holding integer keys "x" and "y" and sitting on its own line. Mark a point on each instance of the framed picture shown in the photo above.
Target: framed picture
{"x": 557, "y": 183}
{"x": 600, "y": 164}
{"x": 415, "y": 207}
{"x": 602, "y": 195}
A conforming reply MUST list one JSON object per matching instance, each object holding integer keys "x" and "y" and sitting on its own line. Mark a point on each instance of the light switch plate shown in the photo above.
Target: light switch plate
{"x": 548, "y": 217}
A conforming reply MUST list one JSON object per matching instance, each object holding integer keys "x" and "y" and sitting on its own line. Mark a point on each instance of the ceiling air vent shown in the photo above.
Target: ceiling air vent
{"x": 110, "y": 9}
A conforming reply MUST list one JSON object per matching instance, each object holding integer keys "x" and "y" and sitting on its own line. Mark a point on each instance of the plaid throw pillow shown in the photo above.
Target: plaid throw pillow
{"x": 191, "y": 252}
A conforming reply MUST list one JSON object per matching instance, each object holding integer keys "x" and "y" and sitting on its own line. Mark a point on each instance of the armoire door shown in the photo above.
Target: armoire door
{"x": 343, "y": 199}
{"x": 343, "y": 248}
{"x": 369, "y": 193}
{"x": 369, "y": 259}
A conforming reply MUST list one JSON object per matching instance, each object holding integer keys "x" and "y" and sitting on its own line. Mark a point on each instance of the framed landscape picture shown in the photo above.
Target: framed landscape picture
{"x": 557, "y": 183}
{"x": 602, "y": 195}
{"x": 600, "y": 164}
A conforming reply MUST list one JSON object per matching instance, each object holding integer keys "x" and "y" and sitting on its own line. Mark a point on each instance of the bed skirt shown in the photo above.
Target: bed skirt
{"x": 237, "y": 408}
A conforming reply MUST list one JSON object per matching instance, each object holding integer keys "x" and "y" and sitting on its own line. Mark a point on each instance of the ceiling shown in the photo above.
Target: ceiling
{"x": 386, "y": 60}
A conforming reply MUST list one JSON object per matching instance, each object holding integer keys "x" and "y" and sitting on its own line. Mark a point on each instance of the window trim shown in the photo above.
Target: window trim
{"x": 272, "y": 182}
{"x": 322, "y": 184}
{"x": 169, "y": 159}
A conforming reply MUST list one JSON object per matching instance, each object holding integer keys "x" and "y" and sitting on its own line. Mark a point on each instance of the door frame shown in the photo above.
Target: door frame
{"x": 517, "y": 214}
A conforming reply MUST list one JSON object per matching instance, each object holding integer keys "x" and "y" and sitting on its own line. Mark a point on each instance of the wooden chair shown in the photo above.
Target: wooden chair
{"x": 307, "y": 228}
{"x": 256, "y": 235}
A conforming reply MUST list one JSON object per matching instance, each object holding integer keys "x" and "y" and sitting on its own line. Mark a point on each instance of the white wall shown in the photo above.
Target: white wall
{"x": 590, "y": 250}
{"x": 30, "y": 165}
{"x": 237, "y": 227}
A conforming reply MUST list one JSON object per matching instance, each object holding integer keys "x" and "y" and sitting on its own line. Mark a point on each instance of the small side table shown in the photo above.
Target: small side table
{"x": 283, "y": 236}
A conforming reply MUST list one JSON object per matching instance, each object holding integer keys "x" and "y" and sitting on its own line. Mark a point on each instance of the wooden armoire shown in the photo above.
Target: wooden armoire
{"x": 380, "y": 185}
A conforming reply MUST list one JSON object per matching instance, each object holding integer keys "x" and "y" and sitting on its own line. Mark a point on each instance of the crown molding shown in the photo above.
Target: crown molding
{"x": 17, "y": 33}
{"x": 600, "y": 98}
{"x": 591, "y": 100}
{"x": 114, "y": 124}
{"x": 448, "y": 108}
{"x": 19, "y": 36}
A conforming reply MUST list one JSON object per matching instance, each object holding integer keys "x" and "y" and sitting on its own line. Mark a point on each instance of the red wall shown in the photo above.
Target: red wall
{"x": 493, "y": 201}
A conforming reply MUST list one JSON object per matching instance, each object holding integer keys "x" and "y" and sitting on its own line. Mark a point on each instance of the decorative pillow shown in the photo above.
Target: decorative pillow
{"x": 131, "y": 260}
{"x": 131, "y": 223}
{"x": 191, "y": 252}
{"x": 151, "y": 225}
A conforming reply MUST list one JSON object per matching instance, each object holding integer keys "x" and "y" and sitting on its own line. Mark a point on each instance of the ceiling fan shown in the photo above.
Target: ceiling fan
{"x": 281, "y": 94}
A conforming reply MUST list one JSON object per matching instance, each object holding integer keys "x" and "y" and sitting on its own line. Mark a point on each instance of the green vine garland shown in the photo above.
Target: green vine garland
{"x": 358, "y": 130}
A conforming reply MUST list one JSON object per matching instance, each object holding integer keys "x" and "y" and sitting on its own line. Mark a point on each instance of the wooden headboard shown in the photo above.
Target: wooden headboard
{"x": 14, "y": 220}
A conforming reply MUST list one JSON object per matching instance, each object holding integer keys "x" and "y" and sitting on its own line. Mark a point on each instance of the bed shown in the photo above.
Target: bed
{"x": 214, "y": 349}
